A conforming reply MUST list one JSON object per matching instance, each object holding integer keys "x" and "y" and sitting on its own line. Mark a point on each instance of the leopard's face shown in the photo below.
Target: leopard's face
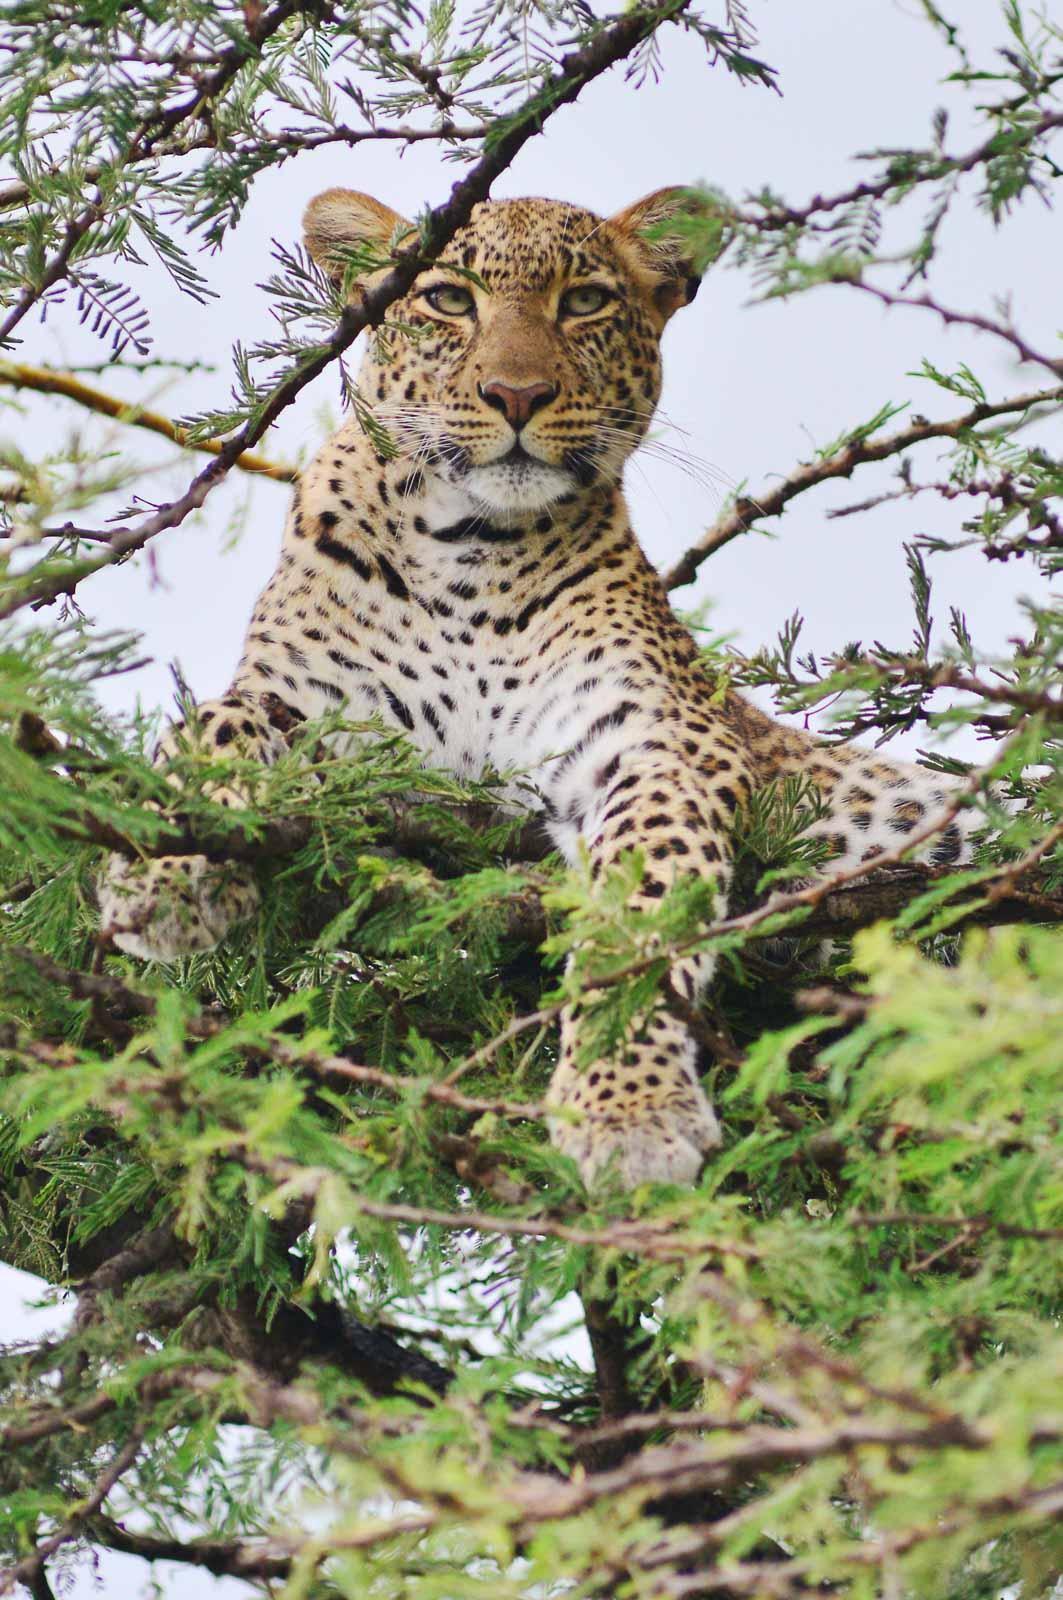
{"x": 531, "y": 365}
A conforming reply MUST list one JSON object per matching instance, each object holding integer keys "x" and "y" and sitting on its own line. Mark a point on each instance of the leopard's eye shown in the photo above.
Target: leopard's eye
{"x": 450, "y": 299}
{"x": 584, "y": 300}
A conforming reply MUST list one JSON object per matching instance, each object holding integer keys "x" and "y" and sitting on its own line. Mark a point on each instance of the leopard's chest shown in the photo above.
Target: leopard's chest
{"x": 510, "y": 653}
{"x": 474, "y": 679}
{"x": 474, "y": 692}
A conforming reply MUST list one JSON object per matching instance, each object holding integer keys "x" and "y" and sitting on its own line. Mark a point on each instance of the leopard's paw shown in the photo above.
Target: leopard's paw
{"x": 173, "y": 906}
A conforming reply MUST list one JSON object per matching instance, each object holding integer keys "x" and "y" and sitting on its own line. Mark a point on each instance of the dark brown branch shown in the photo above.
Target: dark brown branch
{"x": 225, "y": 1558}
{"x": 748, "y": 510}
{"x": 38, "y": 1585}
{"x": 929, "y": 1219}
{"x": 321, "y": 1331}
{"x": 145, "y": 1252}
{"x": 887, "y": 891}
{"x": 26, "y": 1569}
{"x": 837, "y": 904}
{"x": 609, "y": 1339}
{"x": 409, "y": 826}
{"x": 935, "y": 169}
{"x": 964, "y": 319}
{"x": 327, "y": 1335}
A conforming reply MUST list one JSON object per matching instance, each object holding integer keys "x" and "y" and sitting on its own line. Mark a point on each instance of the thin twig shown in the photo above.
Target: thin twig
{"x": 941, "y": 166}
{"x": 20, "y": 194}
{"x": 75, "y": 1523}
{"x": 965, "y": 319}
{"x": 647, "y": 1240}
{"x": 930, "y": 1219}
{"x": 42, "y": 380}
{"x": 748, "y": 510}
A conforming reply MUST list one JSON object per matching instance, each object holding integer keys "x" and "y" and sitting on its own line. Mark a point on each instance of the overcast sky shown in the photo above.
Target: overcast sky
{"x": 754, "y": 388}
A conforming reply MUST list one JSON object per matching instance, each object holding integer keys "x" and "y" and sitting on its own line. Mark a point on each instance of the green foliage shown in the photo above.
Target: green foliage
{"x": 357, "y": 1327}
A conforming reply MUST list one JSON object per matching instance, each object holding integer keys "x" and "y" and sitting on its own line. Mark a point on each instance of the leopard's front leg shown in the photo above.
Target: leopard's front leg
{"x": 643, "y": 1115}
{"x": 169, "y": 906}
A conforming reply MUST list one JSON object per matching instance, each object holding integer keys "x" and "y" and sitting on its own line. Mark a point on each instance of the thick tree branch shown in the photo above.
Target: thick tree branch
{"x": 833, "y": 904}
{"x": 249, "y": 1559}
{"x": 409, "y": 826}
{"x": 611, "y": 1341}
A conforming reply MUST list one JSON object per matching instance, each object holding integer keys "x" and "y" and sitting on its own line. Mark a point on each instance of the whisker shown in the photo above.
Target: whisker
{"x": 689, "y": 462}
{"x": 717, "y": 474}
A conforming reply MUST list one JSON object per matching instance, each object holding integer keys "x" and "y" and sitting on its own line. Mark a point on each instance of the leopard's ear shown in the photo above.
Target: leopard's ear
{"x": 657, "y": 239}
{"x": 340, "y": 223}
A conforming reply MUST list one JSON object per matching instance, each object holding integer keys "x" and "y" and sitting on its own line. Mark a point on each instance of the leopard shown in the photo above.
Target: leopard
{"x": 465, "y": 575}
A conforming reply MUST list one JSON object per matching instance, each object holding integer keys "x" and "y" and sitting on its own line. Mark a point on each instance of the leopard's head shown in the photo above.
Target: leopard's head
{"x": 530, "y": 365}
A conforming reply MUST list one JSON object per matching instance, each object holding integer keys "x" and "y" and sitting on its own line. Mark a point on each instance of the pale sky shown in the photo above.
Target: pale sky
{"x": 754, "y": 388}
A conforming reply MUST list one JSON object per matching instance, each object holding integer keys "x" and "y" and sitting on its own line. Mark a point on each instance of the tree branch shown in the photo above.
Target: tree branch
{"x": 128, "y": 1001}
{"x": 26, "y": 1569}
{"x": 143, "y": 144}
{"x": 249, "y": 1559}
{"x": 42, "y": 380}
{"x": 930, "y": 1219}
{"x": 788, "y": 1578}
{"x": 746, "y": 511}
{"x": 736, "y": 1448}
{"x": 20, "y": 194}
{"x": 409, "y": 826}
{"x": 1003, "y": 489}
{"x": 937, "y": 167}
{"x": 650, "y": 1241}
{"x": 964, "y": 319}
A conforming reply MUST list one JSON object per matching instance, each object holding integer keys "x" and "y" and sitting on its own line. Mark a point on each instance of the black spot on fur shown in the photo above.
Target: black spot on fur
{"x": 400, "y": 710}
{"x": 396, "y": 585}
{"x": 344, "y": 555}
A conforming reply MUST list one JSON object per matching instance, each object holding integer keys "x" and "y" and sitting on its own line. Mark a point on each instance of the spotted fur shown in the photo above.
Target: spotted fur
{"x": 482, "y": 592}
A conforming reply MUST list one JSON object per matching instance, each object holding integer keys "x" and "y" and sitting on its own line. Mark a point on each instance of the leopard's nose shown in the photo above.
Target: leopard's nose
{"x": 517, "y": 405}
